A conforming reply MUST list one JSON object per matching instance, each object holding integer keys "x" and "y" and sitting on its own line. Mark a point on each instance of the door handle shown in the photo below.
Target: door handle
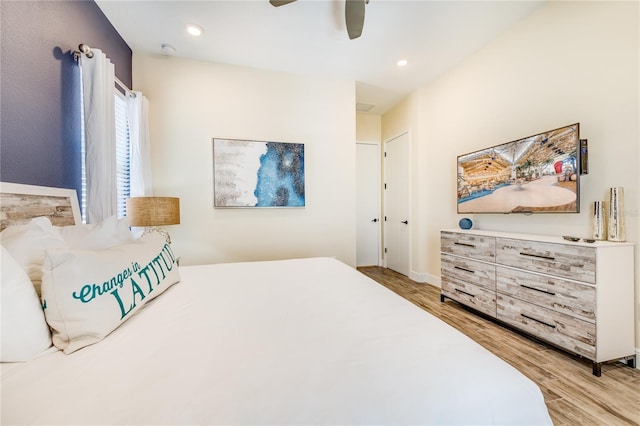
{"x": 406, "y": 222}
{"x": 374, "y": 220}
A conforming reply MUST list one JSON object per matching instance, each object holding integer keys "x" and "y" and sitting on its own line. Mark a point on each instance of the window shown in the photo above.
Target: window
{"x": 123, "y": 159}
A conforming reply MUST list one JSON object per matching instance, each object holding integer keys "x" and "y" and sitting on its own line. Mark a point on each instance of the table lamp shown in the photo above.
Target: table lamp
{"x": 153, "y": 212}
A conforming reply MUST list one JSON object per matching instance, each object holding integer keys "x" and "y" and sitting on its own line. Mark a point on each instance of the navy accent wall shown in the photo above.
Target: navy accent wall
{"x": 39, "y": 86}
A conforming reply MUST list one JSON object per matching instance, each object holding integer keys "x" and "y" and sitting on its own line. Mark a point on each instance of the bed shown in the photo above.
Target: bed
{"x": 290, "y": 342}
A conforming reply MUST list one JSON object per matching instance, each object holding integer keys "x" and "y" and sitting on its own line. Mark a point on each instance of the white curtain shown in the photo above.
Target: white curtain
{"x": 100, "y": 141}
{"x": 140, "y": 183}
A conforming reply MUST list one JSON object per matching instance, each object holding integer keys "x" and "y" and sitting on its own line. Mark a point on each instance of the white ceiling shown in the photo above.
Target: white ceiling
{"x": 310, "y": 37}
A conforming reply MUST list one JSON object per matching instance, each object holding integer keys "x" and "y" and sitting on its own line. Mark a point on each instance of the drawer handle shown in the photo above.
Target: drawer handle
{"x": 538, "y": 321}
{"x": 464, "y": 244}
{"x": 464, "y": 292}
{"x": 541, "y": 256}
{"x": 464, "y": 269}
{"x": 538, "y": 289}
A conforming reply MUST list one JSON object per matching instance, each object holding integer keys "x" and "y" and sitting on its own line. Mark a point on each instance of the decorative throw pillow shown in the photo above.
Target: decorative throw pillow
{"x": 27, "y": 244}
{"x": 108, "y": 233}
{"x": 24, "y": 331}
{"x": 89, "y": 293}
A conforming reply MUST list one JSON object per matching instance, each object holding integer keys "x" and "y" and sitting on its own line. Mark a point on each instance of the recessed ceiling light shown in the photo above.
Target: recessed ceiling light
{"x": 194, "y": 29}
{"x": 402, "y": 62}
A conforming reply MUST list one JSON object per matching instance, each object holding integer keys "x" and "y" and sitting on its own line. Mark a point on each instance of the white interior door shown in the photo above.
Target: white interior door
{"x": 396, "y": 201}
{"x": 368, "y": 204}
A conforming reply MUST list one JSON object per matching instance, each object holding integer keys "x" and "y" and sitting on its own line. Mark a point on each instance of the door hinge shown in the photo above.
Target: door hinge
{"x": 385, "y": 250}
{"x": 385, "y": 186}
{"x": 385, "y": 154}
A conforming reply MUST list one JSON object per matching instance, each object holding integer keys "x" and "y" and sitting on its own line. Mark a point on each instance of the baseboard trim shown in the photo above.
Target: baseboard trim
{"x": 425, "y": 278}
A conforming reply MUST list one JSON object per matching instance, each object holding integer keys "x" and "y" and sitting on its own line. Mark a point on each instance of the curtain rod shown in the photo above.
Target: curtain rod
{"x": 83, "y": 48}
{"x": 124, "y": 87}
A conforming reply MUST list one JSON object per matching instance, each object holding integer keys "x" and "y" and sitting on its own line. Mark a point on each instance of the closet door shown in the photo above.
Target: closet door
{"x": 397, "y": 204}
{"x": 368, "y": 204}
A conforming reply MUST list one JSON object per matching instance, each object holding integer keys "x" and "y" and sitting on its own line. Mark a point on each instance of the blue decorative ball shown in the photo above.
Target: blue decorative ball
{"x": 465, "y": 223}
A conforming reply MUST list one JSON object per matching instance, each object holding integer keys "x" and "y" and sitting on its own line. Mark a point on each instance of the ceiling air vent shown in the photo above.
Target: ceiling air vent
{"x": 364, "y": 107}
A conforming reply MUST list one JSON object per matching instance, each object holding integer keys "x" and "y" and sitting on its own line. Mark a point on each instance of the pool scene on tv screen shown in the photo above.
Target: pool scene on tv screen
{"x": 530, "y": 175}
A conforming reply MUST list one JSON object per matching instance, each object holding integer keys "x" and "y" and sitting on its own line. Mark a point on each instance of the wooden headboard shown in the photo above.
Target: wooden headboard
{"x": 19, "y": 203}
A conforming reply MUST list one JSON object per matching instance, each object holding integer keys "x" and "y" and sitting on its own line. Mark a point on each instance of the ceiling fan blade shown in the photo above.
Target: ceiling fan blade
{"x": 354, "y": 17}
{"x": 277, "y": 3}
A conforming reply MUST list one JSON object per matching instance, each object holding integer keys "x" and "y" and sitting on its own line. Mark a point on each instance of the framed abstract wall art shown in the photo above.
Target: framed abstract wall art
{"x": 258, "y": 174}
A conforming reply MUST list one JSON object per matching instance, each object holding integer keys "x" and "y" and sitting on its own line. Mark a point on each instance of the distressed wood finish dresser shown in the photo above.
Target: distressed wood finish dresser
{"x": 577, "y": 296}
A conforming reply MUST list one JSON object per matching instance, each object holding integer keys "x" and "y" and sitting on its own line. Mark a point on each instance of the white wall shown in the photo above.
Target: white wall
{"x": 368, "y": 127}
{"x": 568, "y": 62}
{"x": 191, "y": 102}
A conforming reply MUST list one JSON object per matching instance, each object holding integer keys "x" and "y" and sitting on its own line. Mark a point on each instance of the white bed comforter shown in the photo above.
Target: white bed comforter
{"x": 309, "y": 341}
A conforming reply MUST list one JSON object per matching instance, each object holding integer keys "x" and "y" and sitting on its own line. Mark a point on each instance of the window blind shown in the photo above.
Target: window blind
{"x": 123, "y": 154}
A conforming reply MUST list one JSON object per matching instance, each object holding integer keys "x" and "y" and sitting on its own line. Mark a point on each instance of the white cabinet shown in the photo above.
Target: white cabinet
{"x": 577, "y": 296}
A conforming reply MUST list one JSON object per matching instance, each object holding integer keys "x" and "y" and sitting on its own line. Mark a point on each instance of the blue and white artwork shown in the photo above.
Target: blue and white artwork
{"x": 258, "y": 174}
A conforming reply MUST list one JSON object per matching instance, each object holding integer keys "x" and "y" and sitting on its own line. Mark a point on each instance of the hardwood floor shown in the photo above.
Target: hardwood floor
{"x": 573, "y": 395}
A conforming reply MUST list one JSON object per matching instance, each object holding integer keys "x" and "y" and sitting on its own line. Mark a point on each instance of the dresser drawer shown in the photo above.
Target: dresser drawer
{"x": 470, "y": 295}
{"x": 553, "y": 293}
{"x": 468, "y": 245}
{"x": 571, "y": 333}
{"x": 563, "y": 260}
{"x": 467, "y": 270}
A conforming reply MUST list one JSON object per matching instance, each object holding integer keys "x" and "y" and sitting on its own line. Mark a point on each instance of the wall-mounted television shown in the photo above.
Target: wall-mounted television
{"x": 536, "y": 174}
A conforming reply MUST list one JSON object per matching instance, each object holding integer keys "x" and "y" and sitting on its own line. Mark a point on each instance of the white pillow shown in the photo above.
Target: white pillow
{"x": 110, "y": 232}
{"x": 24, "y": 331}
{"x": 89, "y": 293}
{"x": 27, "y": 244}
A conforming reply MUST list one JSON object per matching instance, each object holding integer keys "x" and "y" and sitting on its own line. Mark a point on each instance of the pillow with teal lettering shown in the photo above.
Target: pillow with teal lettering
{"x": 89, "y": 293}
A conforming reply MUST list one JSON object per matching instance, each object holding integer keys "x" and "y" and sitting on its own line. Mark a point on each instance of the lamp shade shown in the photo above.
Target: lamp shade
{"x": 153, "y": 211}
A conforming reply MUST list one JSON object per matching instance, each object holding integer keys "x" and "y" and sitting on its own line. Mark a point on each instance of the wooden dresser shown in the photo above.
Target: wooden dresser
{"x": 577, "y": 296}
